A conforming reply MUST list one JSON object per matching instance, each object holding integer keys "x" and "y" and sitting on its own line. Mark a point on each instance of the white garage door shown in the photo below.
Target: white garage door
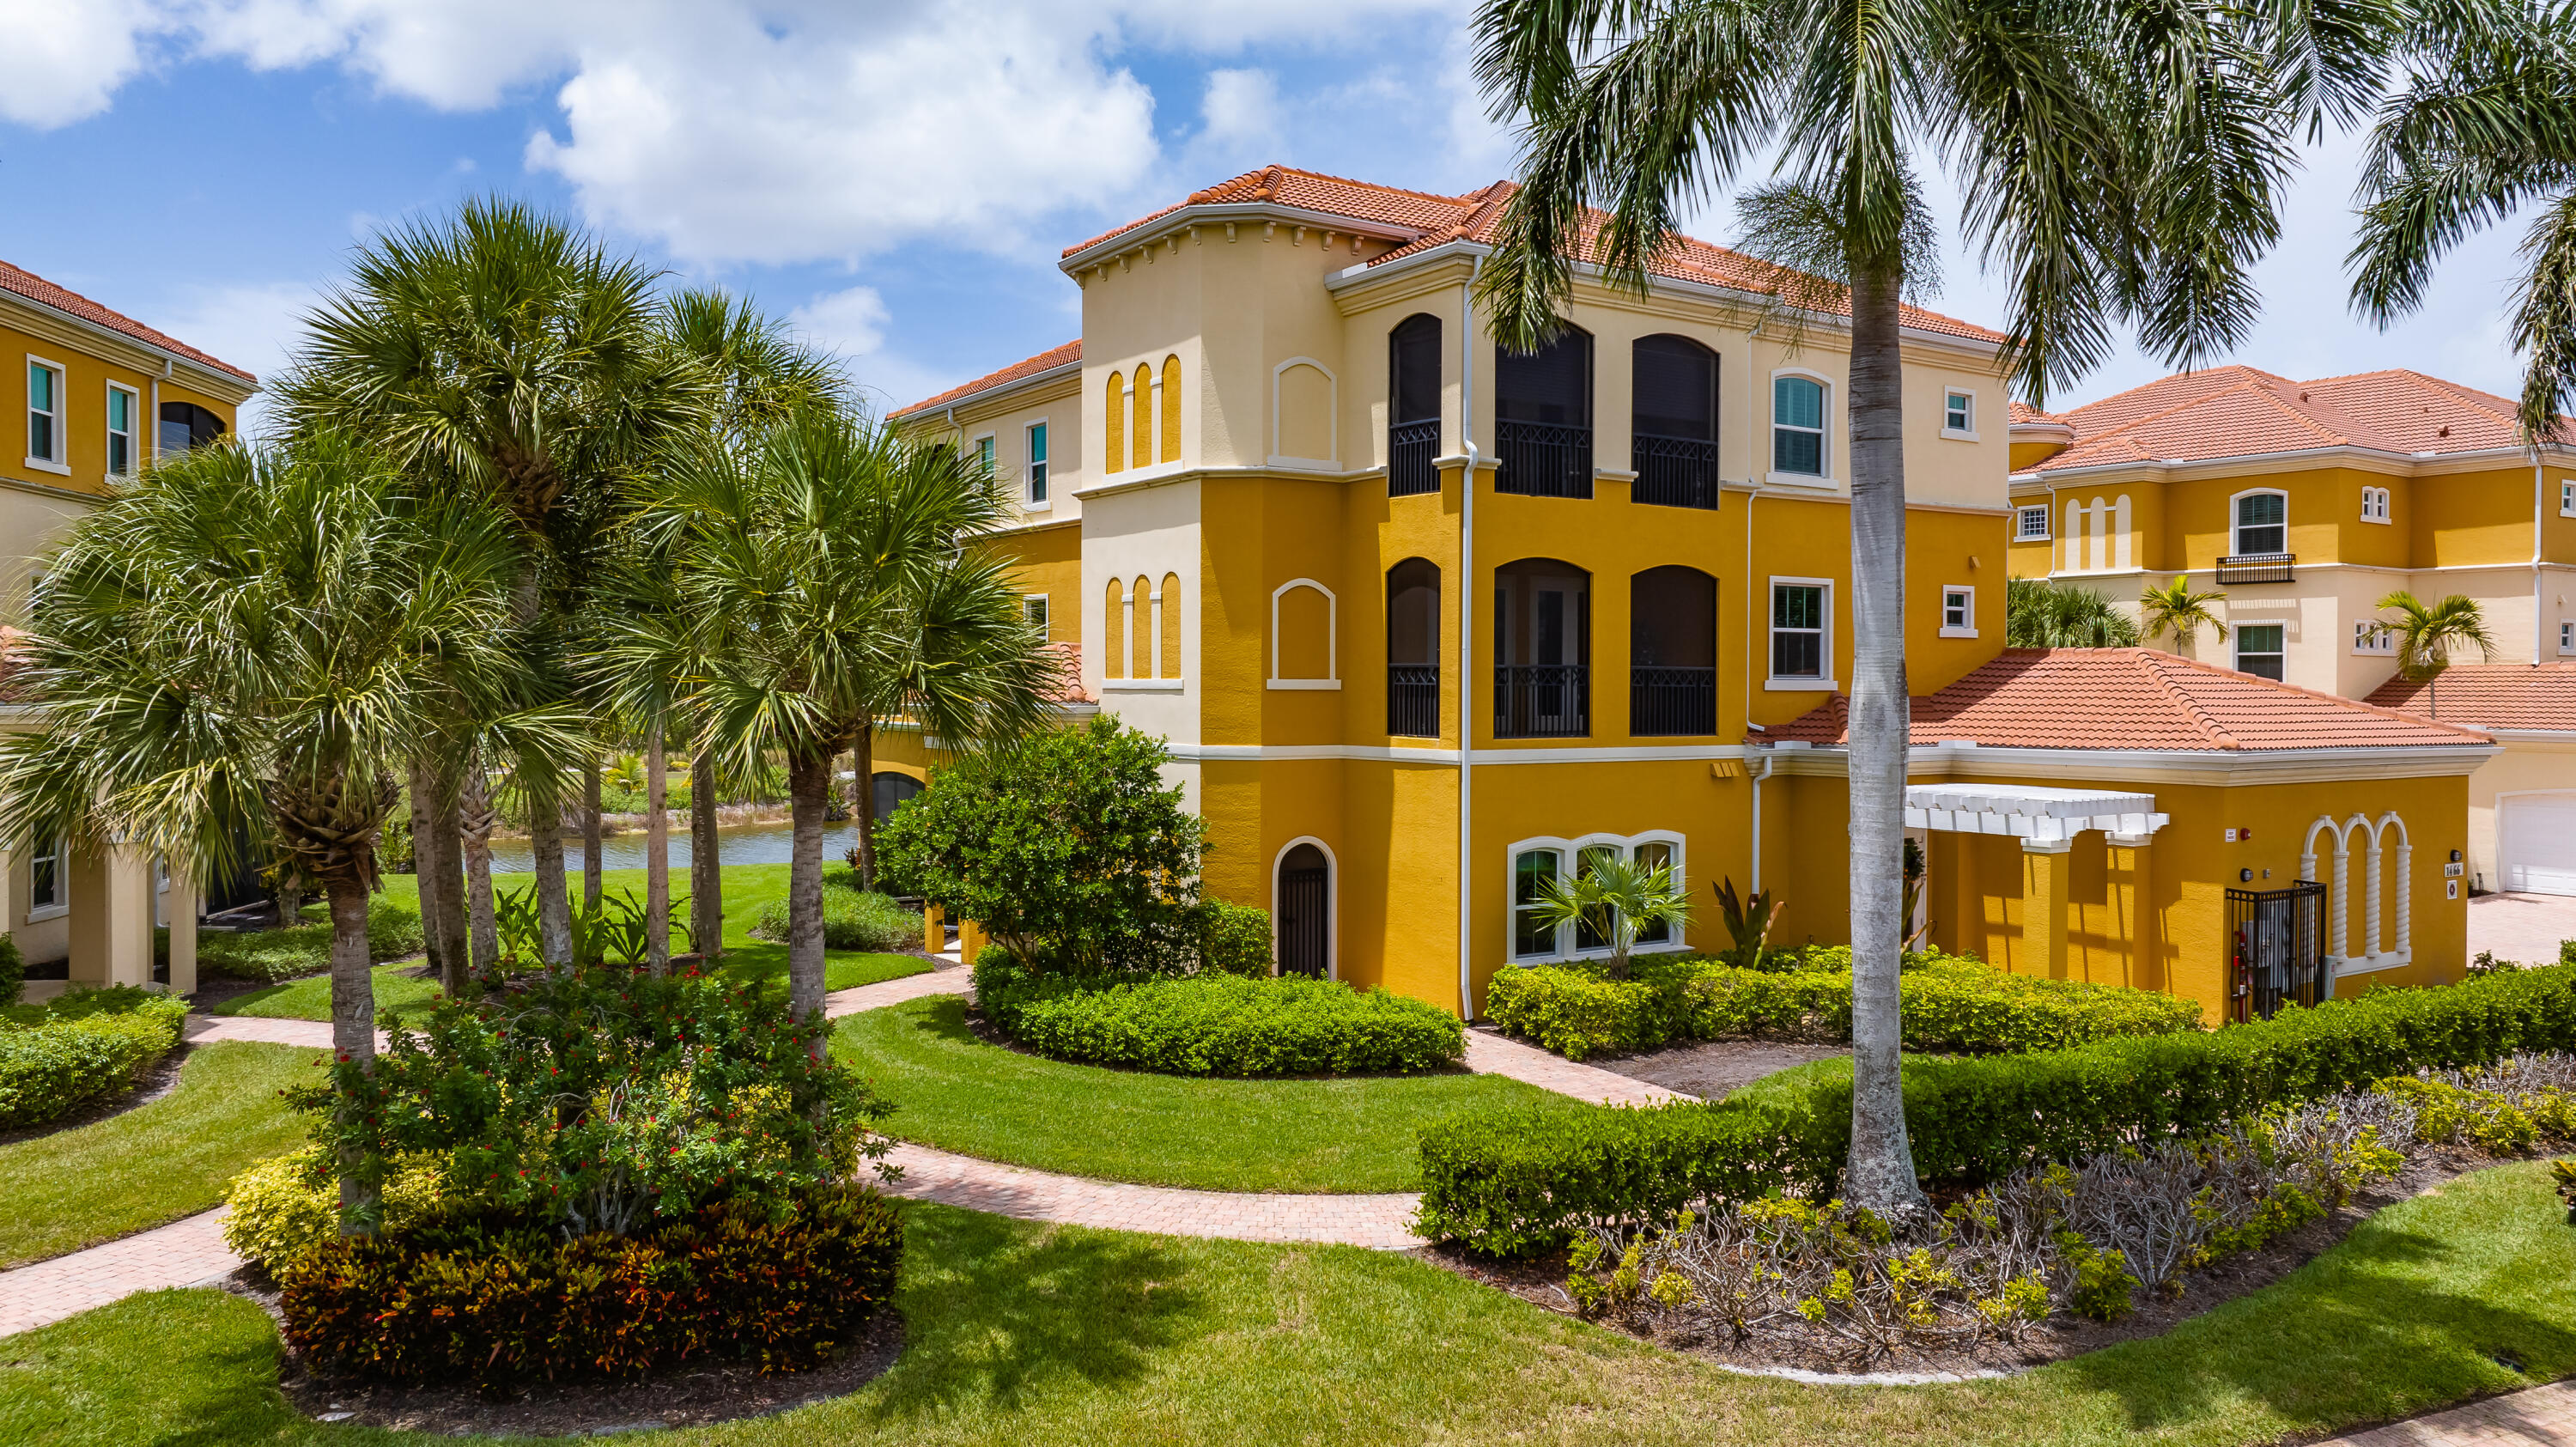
{"x": 2537, "y": 839}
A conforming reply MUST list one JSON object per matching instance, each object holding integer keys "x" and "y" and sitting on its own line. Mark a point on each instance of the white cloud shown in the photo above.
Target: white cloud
{"x": 63, "y": 63}
{"x": 1241, "y": 107}
{"x": 851, "y": 322}
{"x": 251, "y": 325}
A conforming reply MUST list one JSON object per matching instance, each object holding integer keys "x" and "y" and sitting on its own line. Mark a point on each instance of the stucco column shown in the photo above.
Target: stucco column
{"x": 2129, "y": 855}
{"x": 2405, "y": 898}
{"x": 181, "y": 905}
{"x": 1154, "y": 605}
{"x": 111, "y": 916}
{"x": 2370, "y": 902}
{"x": 2340, "y": 901}
{"x": 934, "y": 929}
{"x": 2043, "y": 903}
{"x": 970, "y": 940}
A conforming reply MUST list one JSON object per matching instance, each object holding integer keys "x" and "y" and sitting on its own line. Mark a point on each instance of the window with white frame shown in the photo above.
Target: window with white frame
{"x": 1800, "y": 618}
{"x": 48, "y": 892}
{"x": 2262, "y": 524}
{"x": 1034, "y": 608}
{"x": 2031, "y": 523}
{"x": 984, "y": 455}
{"x": 1037, "y": 465}
{"x": 45, "y": 442}
{"x": 1798, "y": 426}
{"x": 1958, "y": 612}
{"x": 2567, "y": 498}
{"x": 121, "y": 410}
{"x": 2374, "y": 504}
{"x": 2567, "y": 637}
{"x": 2373, "y": 637}
{"x": 1533, "y": 871}
{"x": 1538, "y": 864}
{"x": 1959, "y": 414}
{"x": 2258, "y": 649}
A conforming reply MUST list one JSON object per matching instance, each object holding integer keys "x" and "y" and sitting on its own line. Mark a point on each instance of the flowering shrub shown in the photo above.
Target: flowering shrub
{"x": 287, "y": 1203}
{"x": 79, "y": 1047}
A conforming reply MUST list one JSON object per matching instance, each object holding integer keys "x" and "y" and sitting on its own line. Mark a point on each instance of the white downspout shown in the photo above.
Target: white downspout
{"x": 1466, "y": 634}
{"x": 1760, "y": 771}
{"x": 2539, "y": 614}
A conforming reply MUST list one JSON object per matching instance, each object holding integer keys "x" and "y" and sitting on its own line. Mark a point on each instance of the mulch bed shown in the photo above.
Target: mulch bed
{"x": 694, "y": 1396}
{"x": 1541, "y": 1282}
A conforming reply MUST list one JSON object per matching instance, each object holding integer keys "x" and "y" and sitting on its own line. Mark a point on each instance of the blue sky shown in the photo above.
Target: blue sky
{"x": 896, "y": 178}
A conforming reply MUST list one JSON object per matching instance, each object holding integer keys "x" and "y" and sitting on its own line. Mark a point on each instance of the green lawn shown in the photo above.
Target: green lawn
{"x": 955, "y": 1092}
{"x": 1024, "y": 1334}
{"x": 155, "y": 1163}
{"x": 747, "y": 888}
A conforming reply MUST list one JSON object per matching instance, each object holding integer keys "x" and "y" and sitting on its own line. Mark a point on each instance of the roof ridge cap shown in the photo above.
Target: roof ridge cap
{"x": 2155, "y": 662}
{"x": 2392, "y": 714}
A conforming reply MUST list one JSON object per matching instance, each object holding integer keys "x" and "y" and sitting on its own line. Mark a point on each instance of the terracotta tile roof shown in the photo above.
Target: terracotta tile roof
{"x": 71, "y": 303}
{"x": 1476, "y": 216}
{"x": 2245, "y": 411}
{"x": 2134, "y": 698}
{"x": 1068, "y": 688}
{"x": 2490, "y": 695}
{"x": 2022, "y": 414}
{"x": 1047, "y": 360}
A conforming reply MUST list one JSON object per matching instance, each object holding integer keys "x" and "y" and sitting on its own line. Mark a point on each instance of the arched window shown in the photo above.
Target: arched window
{"x": 1543, "y": 417}
{"x": 1413, "y": 649}
{"x": 1542, "y": 650}
{"x": 1798, "y": 425}
{"x": 1113, "y": 631}
{"x": 1140, "y": 641}
{"x": 185, "y": 425}
{"x": 1168, "y": 616}
{"x": 1303, "y": 905}
{"x": 1143, "y": 432}
{"x": 890, "y": 791}
{"x": 1413, "y": 406}
{"x": 1113, "y": 426}
{"x": 1672, "y": 652}
{"x": 2262, "y": 524}
{"x": 1673, "y": 441}
{"x": 1171, "y": 409}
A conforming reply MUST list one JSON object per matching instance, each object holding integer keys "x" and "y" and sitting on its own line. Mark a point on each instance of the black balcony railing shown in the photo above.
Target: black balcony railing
{"x": 1413, "y": 700}
{"x": 1673, "y": 471}
{"x": 1672, "y": 700}
{"x": 1410, "y": 448}
{"x": 1542, "y": 701}
{"x": 1542, "y": 459}
{"x": 2256, "y": 568}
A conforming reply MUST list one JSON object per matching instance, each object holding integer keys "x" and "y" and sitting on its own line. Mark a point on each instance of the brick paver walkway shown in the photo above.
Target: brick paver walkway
{"x": 2544, "y": 1416}
{"x": 203, "y": 1029}
{"x": 2525, "y": 927}
{"x": 183, "y": 1253}
{"x": 1493, "y": 1054}
{"x": 894, "y": 992}
{"x": 935, "y": 1175}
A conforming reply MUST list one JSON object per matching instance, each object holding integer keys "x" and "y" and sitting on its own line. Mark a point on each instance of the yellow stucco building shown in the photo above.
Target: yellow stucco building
{"x": 96, "y": 396}
{"x": 1285, "y": 483}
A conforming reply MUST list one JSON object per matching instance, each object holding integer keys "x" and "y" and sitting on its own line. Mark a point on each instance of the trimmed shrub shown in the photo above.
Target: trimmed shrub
{"x": 13, "y": 972}
{"x": 852, "y": 920}
{"x": 1511, "y": 1184}
{"x": 1951, "y": 1005}
{"x": 498, "y": 1301}
{"x": 287, "y": 1203}
{"x": 1211, "y": 1024}
{"x": 80, "y": 1047}
{"x": 1237, "y": 940}
{"x": 394, "y": 932}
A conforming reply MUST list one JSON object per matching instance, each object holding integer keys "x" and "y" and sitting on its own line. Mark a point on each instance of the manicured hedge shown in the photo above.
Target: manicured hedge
{"x": 1213, "y": 1024}
{"x": 499, "y": 1303}
{"x": 80, "y": 1047}
{"x": 1512, "y": 1184}
{"x": 1950, "y": 1005}
{"x": 394, "y": 932}
{"x": 852, "y": 920}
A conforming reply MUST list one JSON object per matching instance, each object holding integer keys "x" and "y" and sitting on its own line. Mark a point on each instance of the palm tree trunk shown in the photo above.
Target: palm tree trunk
{"x": 809, "y": 785}
{"x": 353, "y": 1039}
{"x": 1880, "y": 1174}
{"x": 474, "y": 836}
{"x": 657, "y": 856}
{"x": 437, "y": 853}
{"x": 545, "y": 849}
{"x": 863, "y": 801}
{"x": 590, "y": 837}
{"x": 706, "y": 861}
{"x": 425, "y": 819}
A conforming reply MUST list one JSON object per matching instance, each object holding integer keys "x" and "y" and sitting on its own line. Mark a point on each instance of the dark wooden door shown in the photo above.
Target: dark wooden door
{"x": 1305, "y": 912}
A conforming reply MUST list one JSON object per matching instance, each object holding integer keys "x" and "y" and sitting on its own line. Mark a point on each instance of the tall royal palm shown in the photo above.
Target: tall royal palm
{"x": 241, "y": 646}
{"x": 2121, "y": 164}
{"x": 830, "y": 578}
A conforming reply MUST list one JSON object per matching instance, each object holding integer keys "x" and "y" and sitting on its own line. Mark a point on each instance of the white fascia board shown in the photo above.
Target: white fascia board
{"x": 1218, "y": 213}
{"x": 2177, "y": 766}
{"x": 225, "y": 383}
{"x": 2394, "y": 463}
{"x": 998, "y": 389}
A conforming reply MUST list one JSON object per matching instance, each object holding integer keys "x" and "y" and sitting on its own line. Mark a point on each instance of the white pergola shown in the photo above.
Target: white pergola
{"x": 2030, "y": 813}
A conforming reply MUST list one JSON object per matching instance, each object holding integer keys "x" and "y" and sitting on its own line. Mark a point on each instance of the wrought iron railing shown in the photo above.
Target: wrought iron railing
{"x": 1410, "y": 450}
{"x": 1413, "y": 700}
{"x": 1672, "y": 700}
{"x": 2275, "y": 950}
{"x": 2256, "y": 568}
{"x": 1542, "y": 701}
{"x": 1673, "y": 471}
{"x": 1542, "y": 459}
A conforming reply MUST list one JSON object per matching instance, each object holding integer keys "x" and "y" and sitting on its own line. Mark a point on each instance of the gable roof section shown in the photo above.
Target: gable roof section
{"x": 2134, "y": 698}
{"x": 21, "y": 282}
{"x": 2246, "y": 412}
{"x": 2489, "y": 695}
{"x": 1045, "y": 361}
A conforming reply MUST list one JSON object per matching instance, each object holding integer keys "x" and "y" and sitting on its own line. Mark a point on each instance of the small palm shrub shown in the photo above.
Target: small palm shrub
{"x": 853, "y": 919}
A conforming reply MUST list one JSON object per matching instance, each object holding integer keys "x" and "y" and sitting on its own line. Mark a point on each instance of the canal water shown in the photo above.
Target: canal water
{"x": 749, "y": 844}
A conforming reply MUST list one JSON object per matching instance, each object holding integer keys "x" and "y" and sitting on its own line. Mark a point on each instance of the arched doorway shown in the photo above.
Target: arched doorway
{"x": 1303, "y": 913}
{"x": 891, "y": 791}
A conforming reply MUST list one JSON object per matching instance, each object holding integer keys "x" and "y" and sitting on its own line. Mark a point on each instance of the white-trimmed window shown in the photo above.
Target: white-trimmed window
{"x": 1798, "y": 426}
{"x": 2030, "y": 524}
{"x": 2567, "y": 498}
{"x": 1538, "y": 863}
{"x": 2262, "y": 524}
{"x": 2373, "y": 637}
{"x": 984, "y": 453}
{"x": 1959, "y": 414}
{"x": 45, "y": 441}
{"x": 1037, "y": 456}
{"x": 1958, "y": 611}
{"x": 123, "y": 406}
{"x": 48, "y": 891}
{"x": 2374, "y": 504}
{"x": 1033, "y": 606}
{"x": 2567, "y": 637}
{"x": 2259, "y": 649}
{"x": 1801, "y": 633}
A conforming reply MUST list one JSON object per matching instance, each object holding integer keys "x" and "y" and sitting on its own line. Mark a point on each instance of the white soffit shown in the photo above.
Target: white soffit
{"x": 2029, "y": 811}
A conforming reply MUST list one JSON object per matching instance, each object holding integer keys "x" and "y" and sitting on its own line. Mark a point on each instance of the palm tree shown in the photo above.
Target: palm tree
{"x": 241, "y": 645}
{"x": 2045, "y": 613}
{"x": 2484, "y": 125}
{"x": 826, "y": 581}
{"x": 1617, "y": 900}
{"x": 2427, "y": 634}
{"x": 2174, "y": 608}
{"x": 2121, "y": 164}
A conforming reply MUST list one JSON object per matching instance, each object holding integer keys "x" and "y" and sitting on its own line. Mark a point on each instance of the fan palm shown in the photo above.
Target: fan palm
{"x": 2428, "y": 633}
{"x": 240, "y": 646}
{"x": 1616, "y": 900}
{"x": 2174, "y": 608}
{"x": 2044, "y": 613}
{"x": 825, "y": 579}
{"x": 2121, "y": 164}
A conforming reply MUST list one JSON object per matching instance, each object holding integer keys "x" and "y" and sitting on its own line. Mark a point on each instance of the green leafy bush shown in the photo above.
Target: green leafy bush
{"x": 287, "y": 1203}
{"x": 499, "y": 1301}
{"x": 1213, "y": 1024}
{"x": 13, "y": 971}
{"x": 852, "y": 920}
{"x": 1513, "y": 1183}
{"x": 1951, "y": 1005}
{"x": 394, "y": 932}
{"x": 79, "y": 1047}
{"x": 1235, "y": 939}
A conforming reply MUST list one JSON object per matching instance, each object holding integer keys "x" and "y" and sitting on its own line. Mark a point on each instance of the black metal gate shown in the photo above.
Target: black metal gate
{"x": 1305, "y": 912}
{"x": 2275, "y": 949}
